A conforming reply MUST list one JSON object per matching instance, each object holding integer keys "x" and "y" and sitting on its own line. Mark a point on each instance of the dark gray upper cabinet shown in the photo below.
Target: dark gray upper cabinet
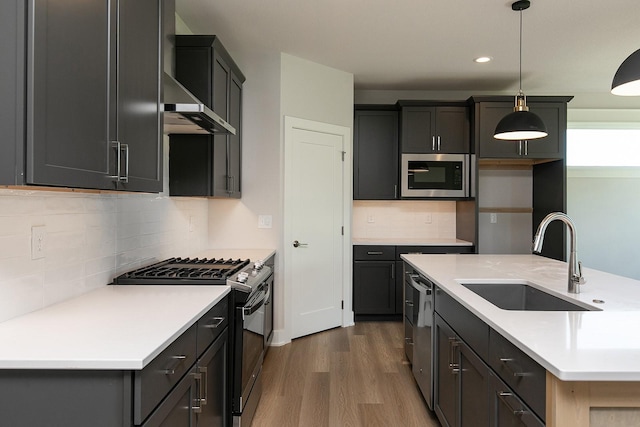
{"x": 208, "y": 165}
{"x": 435, "y": 129}
{"x": 87, "y": 103}
{"x": 375, "y": 154}
{"x": 489, "y": 111}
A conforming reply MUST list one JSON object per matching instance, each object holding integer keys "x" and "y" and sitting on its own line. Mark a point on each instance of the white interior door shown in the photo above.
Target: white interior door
{"x": 314, "y": 220}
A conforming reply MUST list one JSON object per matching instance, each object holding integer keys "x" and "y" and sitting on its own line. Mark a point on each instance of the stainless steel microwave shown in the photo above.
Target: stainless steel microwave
{"x": 435, "y": 175}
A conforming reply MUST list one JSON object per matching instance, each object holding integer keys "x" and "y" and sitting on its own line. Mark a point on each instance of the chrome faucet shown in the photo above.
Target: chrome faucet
{"x": 575, "y": 267}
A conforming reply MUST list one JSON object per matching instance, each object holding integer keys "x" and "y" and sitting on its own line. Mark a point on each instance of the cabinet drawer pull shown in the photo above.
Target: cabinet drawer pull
{"x": 503, "y": 395}
{"x": 374, "y": 252}
{"x": 408, "y": 341}
{"x": 215, "y": 322}
{"x": 516, "y": 371}
{"x": 408, "y": 303}
{"x": 177, "y": 360}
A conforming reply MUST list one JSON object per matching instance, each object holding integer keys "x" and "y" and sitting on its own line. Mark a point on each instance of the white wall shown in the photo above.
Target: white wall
{"x": 90, "y": 239}
{"x": 276, "y": 85}
{"x": 604, "y": 203}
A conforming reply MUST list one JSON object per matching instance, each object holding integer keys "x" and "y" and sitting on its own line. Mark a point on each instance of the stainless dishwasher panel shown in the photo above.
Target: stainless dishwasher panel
{"x": 423, "y": 336}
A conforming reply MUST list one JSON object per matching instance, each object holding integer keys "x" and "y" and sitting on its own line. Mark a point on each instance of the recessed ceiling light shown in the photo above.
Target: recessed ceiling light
{"x": 482, "y": 59}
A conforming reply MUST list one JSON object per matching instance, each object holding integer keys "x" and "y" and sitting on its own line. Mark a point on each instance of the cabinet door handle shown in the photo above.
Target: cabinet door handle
{"x": 197, "y": 401}
{"x": 374, "y": 252}
{"x": 203, "y": 383}
{"x": 519, "y": 148}
{"x": 409, "y": 341}
{"x": 395, "y": 191}
{"x": 177, "y": 360}
{"x": 215, "y": 322}
{"x": 453, "y": 349}
{"x": 125, "y": 177}
{"x": 438, "y": 142}
{"x": 408, "y": 303}
{"x": 119, "y": 149}
{"x": 526, "y": 147}
{"x": 502, "y": 395}
{"x": 516, "y": 371}
{"x": 433, "y": 143}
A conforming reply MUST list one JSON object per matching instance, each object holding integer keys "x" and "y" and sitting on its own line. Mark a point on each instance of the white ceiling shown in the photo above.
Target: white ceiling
{"x": 570, "y": 47}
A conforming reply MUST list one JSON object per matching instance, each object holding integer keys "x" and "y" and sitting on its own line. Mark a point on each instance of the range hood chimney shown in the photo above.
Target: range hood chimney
{"x": 186, "y": 114}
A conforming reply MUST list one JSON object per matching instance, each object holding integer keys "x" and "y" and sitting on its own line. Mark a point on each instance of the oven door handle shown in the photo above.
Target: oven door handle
{"x": 259, "y": 302}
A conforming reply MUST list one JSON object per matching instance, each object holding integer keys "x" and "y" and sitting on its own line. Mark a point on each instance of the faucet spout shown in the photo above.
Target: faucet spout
{"x": 575, "y": 268}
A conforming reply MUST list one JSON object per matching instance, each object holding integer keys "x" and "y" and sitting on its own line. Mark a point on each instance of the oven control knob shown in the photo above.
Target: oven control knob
{"x": 242, "y": 277}
{"x": 258, "y": 265}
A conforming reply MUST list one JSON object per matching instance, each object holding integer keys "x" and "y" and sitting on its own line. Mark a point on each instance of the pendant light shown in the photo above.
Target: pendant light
{"x": 626, "y": 82}
{"x": 521, "y": 124}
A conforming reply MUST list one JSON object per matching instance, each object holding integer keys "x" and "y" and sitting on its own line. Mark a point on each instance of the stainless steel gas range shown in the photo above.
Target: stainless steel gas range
{"x": 251, "y": 318}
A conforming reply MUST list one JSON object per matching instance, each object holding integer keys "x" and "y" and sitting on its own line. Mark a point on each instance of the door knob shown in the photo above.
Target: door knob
{"x": 297, "y": 244}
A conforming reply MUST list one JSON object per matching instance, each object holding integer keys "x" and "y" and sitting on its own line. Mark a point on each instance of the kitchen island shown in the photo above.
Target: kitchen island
{"x": 592, "y": 358}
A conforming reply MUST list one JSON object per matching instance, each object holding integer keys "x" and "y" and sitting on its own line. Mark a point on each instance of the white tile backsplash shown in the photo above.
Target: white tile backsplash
{"x": 407, "y": 219}
{"x": 90, "y": 239}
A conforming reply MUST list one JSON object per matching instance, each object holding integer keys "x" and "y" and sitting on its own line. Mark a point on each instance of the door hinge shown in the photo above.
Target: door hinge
{"x": 343, "y": 153}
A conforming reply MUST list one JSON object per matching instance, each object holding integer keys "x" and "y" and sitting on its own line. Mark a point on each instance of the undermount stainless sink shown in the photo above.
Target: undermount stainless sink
{"x": 522, "y": 296}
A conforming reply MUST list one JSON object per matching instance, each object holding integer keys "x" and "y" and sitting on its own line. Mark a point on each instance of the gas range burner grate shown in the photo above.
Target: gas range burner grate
{"x": 184, "y": 270}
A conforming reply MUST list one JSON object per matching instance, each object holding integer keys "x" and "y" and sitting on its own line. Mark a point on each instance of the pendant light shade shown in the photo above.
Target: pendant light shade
{"x": 626, "y": 82}
{"x": 521, "y": 124}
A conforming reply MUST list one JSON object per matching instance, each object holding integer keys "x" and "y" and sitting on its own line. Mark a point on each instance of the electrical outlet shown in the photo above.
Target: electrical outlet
{"x": 493, "y": 218}
{"x": 371, "y": 218}
{"x": 265, "y": 221}
{"x": 427, "y": 218}
{"x": 38, "y": 241}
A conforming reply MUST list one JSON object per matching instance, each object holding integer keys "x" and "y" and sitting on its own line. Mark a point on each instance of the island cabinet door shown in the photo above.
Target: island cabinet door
{"x": 474, "y": 389}
{"x": 447, "y": 371}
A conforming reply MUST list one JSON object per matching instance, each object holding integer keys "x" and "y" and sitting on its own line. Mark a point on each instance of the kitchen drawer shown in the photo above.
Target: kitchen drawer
{"x": 152, "y": 383}
{"x": 523, "y": 374}
{"x": 374, "y": 253}
{"x": 506, "y": 409}
{"x": 466, "y": 324}
{"x": 211, "y": 325}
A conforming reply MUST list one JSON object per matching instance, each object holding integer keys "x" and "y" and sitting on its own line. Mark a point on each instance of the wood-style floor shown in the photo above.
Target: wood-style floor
{"x": 356, "y": 377}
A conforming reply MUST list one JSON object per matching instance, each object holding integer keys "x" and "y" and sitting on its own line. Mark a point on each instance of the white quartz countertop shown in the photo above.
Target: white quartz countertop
{"x": 113, "y": 327}
{"x": 410, "y": 242}
{"x": 599, "y": 345}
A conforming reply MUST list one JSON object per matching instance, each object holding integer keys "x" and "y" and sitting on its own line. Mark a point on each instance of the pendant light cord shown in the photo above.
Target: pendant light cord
{"x": 520, "y": 73}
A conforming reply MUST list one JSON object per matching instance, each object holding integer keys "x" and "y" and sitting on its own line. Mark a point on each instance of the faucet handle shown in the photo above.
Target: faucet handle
{"x": 581, "y": 279}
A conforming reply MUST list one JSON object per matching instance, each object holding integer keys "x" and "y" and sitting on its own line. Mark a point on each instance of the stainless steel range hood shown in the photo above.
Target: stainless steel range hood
{"x": 186, "y": 114}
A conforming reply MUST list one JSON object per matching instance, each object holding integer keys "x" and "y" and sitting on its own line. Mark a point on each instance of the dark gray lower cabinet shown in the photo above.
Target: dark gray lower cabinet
{"x": 374, "y": 287}
{"x": 378, "y": 279}
{"x": 471, "y": 383}
{"x": 181, "y": 387}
